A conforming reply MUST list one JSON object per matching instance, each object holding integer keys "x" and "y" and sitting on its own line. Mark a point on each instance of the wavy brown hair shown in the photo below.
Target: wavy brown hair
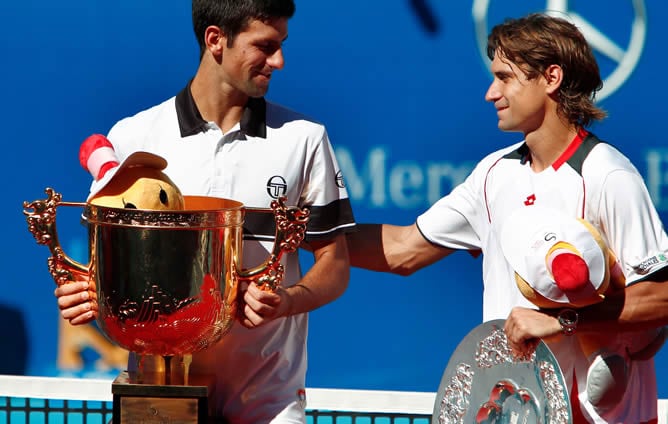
{"x": 537, "y": 41}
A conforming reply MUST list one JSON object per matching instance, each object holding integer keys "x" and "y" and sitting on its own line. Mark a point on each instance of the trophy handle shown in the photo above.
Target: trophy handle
{"x": 42, "y": 225}
{"x": 290, "y": 228}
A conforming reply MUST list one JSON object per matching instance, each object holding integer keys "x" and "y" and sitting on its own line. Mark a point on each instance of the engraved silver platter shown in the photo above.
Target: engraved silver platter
{"x": 484, "y": 383}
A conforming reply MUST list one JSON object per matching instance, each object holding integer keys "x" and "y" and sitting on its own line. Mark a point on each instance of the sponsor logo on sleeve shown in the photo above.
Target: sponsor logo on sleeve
{"x": 646, "y": 266}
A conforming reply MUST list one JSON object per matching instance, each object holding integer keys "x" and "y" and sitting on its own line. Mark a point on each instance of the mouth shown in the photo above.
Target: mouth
{"x": 500, "y": 110}
{"x": 263, "y": 74}
{"x": 263, "y": 79}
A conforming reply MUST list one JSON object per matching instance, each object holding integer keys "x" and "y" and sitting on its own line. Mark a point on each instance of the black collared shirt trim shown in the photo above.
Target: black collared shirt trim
{"x": 260, "y": 225}
{"x": 577, "y": 159}
{"x": 521, "y": 154}
{"x": 253, "y": 120}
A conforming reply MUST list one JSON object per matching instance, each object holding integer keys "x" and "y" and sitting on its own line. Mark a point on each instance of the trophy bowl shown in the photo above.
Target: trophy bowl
{"x": 166, "y": 281}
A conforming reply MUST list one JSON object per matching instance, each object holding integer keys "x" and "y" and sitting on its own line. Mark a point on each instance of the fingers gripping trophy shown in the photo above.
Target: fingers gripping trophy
{"x": 166, "y": 266}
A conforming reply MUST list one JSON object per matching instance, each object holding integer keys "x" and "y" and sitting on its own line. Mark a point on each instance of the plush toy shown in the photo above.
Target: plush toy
{"x": 563, "y": 262}
{"x": 137, "y": 183}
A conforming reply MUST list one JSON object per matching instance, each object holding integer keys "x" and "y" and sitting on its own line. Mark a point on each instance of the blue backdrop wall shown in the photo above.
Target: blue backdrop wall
{"x": 400, "y": 86}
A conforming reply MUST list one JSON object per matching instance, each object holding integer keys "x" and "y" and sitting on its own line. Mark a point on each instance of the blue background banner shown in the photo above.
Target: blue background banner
{"x": 400, "y": 85}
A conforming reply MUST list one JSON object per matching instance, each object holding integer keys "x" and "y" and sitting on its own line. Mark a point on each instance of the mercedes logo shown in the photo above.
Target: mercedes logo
{"x": 624, "y": 58}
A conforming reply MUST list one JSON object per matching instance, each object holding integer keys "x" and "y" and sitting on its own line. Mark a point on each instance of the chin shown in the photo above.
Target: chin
{"x": 506, "y": 128}
{"x": 257, "y": 92}
{"x": 258, "y": 87}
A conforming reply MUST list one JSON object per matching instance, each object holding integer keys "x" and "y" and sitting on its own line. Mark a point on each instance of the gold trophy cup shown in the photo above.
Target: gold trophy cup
{"x": 167, "y": 285}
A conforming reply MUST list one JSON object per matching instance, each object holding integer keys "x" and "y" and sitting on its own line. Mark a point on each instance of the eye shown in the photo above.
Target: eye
{"x": 129, "y": 205}
{"x": 268, "y": 48}
{"x": 164, "y": 199}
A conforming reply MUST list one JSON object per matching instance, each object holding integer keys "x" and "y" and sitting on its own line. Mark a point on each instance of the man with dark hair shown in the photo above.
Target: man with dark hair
{"x": 221, "y": 138}
{"x": 545, "y": 79}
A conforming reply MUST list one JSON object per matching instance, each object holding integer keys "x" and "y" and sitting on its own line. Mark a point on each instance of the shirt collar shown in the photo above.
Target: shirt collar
{"x": 525, "y": 154}
{"x": 253, "y": 120}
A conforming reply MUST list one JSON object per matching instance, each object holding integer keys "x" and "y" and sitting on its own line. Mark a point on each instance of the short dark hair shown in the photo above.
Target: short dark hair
{"x": 537, "y": 41}
{"x": 233, "y": 16}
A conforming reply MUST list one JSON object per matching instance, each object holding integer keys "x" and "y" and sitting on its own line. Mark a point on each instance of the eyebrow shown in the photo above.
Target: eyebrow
{"x": 503, "y": 73}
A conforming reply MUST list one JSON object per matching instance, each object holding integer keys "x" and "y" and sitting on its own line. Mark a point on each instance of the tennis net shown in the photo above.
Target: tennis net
{"x": 55, "y": 400}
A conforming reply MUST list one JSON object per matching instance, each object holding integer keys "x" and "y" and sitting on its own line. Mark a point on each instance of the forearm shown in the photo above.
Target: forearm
{"x": 323, "y": 283}
{"x": 643, "y": 305}
{"x": 366, "y": 247}
{"x": 390, "y": 248}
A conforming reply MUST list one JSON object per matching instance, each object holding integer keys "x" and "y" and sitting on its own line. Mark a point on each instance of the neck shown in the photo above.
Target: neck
{"x": 548, "y": 143}
{"x": 217, "y": 101}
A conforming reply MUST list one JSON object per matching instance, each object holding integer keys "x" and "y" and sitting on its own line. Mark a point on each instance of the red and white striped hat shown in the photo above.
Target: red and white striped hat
{"x": 97, "y": 156}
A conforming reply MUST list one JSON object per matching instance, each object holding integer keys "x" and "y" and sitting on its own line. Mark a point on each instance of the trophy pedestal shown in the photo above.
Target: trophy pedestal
{"x": 149, "y": 400}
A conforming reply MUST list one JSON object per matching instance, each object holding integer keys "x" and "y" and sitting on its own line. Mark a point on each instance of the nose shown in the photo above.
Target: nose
{"x": 493, "y": 94}
{"x": 276, "y": 60}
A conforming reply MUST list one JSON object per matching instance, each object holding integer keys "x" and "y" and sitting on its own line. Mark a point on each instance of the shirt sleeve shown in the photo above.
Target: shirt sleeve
{"x": 325, "y": 194}
{"x": 453, "y": 221}
{"x": 632, "y": 225}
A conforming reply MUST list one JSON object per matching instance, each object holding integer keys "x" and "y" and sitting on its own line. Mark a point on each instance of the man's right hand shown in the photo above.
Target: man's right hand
{"x": 77, "y": 302}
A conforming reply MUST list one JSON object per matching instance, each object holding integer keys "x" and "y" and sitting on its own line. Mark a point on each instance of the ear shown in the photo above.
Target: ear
{"x": 553, "y": 77}
{"x": 215, "y": 40}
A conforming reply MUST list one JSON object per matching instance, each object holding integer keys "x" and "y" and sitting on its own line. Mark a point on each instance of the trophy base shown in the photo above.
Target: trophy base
{"x": 147, "y": 399}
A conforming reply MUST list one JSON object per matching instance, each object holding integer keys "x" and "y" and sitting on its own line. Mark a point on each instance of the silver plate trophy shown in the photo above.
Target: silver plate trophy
{"x": 484, "y": 383}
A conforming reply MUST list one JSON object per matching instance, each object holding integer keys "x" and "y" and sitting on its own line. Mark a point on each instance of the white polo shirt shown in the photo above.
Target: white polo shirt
{"x": 591, "y": 180}
{"x": 273, "y": 151}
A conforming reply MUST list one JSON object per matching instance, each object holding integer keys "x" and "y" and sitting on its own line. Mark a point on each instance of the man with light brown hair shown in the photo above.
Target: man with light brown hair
{"x": 545, "y": 78}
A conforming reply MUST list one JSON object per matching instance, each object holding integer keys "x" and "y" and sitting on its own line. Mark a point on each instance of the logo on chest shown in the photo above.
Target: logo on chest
{"x": 530, "y": 200}
{"x": 277, "y": 187}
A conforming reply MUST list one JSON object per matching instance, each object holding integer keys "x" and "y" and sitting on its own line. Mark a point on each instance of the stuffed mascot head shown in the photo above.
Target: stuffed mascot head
{"x": 136, "y": 183}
